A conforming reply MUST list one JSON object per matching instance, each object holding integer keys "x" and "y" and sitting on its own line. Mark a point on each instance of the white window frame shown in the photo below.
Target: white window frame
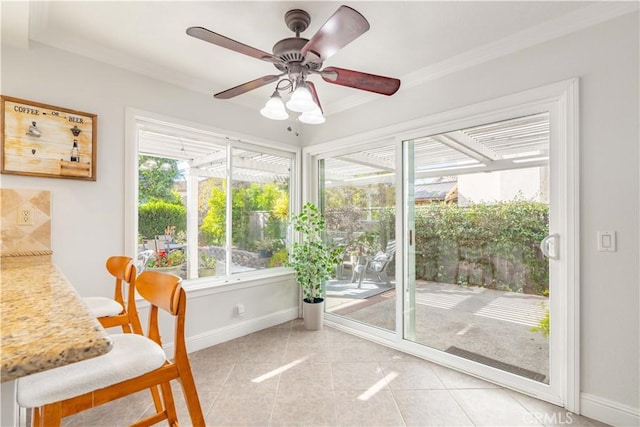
{"x": 135, "y": 117}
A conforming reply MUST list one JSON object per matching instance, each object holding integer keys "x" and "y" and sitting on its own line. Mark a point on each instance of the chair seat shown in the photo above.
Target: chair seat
{"x": 132, "y": 355}
{"x": 103, "y": 307}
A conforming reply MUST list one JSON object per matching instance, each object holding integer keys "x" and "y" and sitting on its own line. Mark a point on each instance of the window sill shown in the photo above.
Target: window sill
{"x": 222, "y": 284}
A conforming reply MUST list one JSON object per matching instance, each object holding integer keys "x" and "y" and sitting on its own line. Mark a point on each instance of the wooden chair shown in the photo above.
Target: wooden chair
{"x": 114, "y": 312}
{"x": 135, "y": 363}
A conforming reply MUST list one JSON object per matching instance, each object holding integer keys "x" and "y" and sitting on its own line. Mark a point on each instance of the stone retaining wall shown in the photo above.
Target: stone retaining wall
{"x": 238, "y": 257}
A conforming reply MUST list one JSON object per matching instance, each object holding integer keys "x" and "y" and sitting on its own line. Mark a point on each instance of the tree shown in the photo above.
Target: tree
{"x": 246, "y": 198}
{"x": 157, "y": 183}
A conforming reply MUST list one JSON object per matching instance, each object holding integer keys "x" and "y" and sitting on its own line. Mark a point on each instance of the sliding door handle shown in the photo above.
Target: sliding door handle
{"x": 549, "y": 246}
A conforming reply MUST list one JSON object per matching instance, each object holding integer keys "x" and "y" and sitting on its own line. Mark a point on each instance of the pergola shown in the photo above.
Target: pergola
{"x": 491, "y": 147}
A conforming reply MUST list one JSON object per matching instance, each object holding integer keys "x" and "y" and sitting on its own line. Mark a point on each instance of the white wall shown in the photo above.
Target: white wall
{"x": 605, "y": 58}
{"x": 503, "y": 185}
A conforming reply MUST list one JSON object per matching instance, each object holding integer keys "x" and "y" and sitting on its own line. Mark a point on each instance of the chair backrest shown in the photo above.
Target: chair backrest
{"x": 381, "y": 260}
{"x": 124, "y": 271}
{"x": 164, "y": 291}
{"x": 391, "y": 247}
{"x": 162, "y": 242}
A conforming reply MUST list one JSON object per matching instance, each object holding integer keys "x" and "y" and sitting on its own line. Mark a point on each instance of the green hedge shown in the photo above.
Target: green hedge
{"x": 155, "y": 215}
{"x": 495, "y": 246}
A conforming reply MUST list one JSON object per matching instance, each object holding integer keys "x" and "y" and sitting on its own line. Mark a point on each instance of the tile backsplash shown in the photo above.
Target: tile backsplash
{"x": 26, "y": 222}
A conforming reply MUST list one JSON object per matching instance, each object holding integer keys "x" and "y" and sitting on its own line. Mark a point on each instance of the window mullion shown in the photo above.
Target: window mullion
{"x": 192, "y": 224}
{"x": 229, "y": 211}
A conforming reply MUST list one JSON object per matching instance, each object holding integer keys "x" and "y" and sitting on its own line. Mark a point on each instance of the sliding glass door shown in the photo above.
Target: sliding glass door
{"x": 358, "y": 196}
{"x": 478, "y": 280}
{"x": 477, "y": 211}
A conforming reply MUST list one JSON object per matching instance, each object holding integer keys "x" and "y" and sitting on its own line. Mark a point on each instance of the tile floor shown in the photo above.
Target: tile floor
{"x": 287, "y": 376}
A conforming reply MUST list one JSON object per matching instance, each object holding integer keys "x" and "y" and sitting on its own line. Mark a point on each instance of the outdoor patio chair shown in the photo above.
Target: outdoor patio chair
{"x": 142, "y": 258}
{"x": 376, "y": 265}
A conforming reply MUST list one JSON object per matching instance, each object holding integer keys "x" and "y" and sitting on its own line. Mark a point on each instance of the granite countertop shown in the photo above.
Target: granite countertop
{"x": 44, "y": 323}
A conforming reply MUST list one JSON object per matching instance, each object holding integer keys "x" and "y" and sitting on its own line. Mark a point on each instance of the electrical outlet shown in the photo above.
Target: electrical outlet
{"x": 25, "y": 216}
{"x": 240, "y": 309}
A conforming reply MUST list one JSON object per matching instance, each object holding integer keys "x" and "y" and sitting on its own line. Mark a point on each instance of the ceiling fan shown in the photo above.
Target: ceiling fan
{"x": 297, "y": 58}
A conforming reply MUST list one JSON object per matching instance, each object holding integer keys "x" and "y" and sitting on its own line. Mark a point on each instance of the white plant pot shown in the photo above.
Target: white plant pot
{"x": 313, "y": 314}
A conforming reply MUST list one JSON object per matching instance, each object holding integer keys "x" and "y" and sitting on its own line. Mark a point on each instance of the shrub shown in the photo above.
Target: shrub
{"x": 155, "y": 215}
{"x": 495, "y": 246}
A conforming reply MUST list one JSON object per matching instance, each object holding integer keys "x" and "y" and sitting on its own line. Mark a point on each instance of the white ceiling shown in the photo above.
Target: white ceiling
{"x": 406, "y": 39}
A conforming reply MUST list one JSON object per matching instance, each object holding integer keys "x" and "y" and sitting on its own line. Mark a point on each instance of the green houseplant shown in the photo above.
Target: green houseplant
{"x": 207, "y": 265}
{"x": 313, "y": 262}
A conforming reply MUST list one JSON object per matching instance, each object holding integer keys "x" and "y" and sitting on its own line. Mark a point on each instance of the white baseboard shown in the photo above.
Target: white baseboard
{"x": 608, "y": 411}
{"x": 217, "y": 336}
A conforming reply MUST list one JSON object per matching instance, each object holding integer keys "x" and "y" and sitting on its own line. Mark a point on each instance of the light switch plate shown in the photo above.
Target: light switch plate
{"x": 606, "y": 241}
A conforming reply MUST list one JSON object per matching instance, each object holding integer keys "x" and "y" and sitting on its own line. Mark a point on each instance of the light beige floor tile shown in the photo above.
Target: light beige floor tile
{"x": 318, "y": 352}
{"x": 310, "y": 408}
{"x": 262, "y": 353}
{"x": 184, "y": 418}
{"x": 226, "y": 352}
{"x": 411, "y": 376}
{"x": 355, "y": 409}
{"x": 357, "y": 376}
{"x": 210, "y": 375}
{"x": 457, "y": 380}
{"x": 241, "y": 409}
{"x": 493, "y": 407}
{"x": 274, "y": 334}
{"x": 552, "y": 415}
{"x": 287, "y": 375}
{"x": 121, "y": 412}
{"x": 362, "y": 351}
{"x": 306, "y": 376}
{"x": 252, "y": 377}
{"x": 430, "y": 408}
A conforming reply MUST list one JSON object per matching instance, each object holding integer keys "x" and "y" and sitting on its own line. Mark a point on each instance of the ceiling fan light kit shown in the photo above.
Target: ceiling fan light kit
{"x": 301, "y": 100}
{"x": 313, "y": 117}
{"x": 274, "y": 109}
{"x": 297, "y": 58}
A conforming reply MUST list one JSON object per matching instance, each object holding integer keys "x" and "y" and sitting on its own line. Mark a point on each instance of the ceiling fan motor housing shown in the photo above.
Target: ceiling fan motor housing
{"x": 288, "y": 50}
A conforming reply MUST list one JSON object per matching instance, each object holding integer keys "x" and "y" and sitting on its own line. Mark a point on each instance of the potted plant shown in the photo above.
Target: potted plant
{"x": 167, "y": 263}
{"x": 208, "y": 264}
{"x": 313, "y": 262}
{"x": 265, "y": 248}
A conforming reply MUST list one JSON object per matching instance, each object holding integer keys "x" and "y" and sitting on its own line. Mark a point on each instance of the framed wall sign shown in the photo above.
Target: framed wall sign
{"x": 48, "y": 141}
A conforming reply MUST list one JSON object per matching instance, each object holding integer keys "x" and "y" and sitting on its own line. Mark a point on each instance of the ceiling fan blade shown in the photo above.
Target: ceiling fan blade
{"x": 222, "y": 41}
{"x": 343, "y": 27}
{"x": 246, "y": 87}
{"x": 359, "y": 80}
{"x": 314, "y": 95}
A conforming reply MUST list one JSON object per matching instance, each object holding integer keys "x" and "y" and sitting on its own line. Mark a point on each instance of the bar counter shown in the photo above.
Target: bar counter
{"x": 44, "y": 322}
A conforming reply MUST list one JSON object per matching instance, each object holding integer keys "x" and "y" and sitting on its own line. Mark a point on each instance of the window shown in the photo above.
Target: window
{"x": 208, "y": 205}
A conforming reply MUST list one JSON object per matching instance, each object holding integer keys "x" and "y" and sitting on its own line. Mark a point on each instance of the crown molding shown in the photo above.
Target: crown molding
{"x": 549, "y": 30}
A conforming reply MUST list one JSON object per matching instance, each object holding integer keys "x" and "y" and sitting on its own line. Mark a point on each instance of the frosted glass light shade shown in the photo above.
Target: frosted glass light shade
{"x": 274, "y": 109}
{"x": 313, "y": 117}
{"x": 301, "y": 100}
